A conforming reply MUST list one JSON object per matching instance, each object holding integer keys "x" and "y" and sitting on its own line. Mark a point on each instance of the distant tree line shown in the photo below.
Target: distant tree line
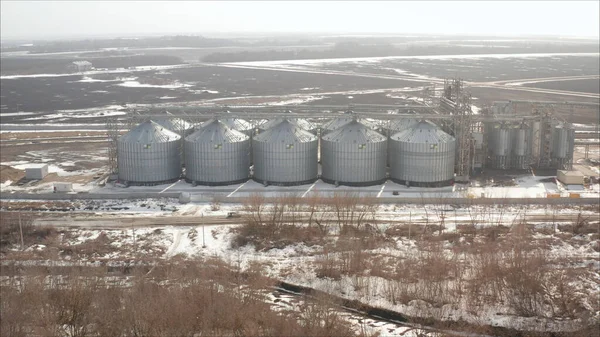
{"x": 24, "y": 66}
{"x": 355, "y": 49}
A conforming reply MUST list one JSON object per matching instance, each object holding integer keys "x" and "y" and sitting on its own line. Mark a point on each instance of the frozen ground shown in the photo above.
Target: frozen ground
{"x": 298, "y": 263}
{"x": 525, "y": 186}
{"x": 100, "y": 71}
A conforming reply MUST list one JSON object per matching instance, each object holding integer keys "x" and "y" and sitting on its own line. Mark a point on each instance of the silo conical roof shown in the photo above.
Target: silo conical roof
{"x": 216, "y": 131}
{"x": 423, "y": 132}
{"x": 401, "y": 124}
{"x": 285, "y": 131}
{"x": 302, "y": 123}
{"x": 149, "y": 132}
{"x": 354, "y": 132}
{"x": 233, "y": 123}
{"x": 174, "y": 124}
{"x": 345, "y": 119}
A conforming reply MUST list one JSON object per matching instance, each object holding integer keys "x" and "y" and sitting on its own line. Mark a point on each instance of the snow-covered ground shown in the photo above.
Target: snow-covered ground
{"x": 297, "y": 262}
{"x": 100, "y": 71}
{"x": 425, "y": 57}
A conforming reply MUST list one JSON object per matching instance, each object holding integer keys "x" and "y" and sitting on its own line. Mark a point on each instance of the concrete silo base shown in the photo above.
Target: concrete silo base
{"x": 213, "y": 183}
{"x": 424, "y": 184}
{"x": 355, "y": 184}
{"x": 285, "y": 183}
{"x": 149, "y": 183}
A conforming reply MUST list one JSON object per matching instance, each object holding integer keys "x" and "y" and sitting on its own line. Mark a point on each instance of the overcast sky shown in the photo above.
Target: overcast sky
{"x": 51, "y": 19}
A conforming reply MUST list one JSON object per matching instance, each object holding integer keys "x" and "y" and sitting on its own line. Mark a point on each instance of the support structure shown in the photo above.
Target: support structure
{"x": 112, "y": 127}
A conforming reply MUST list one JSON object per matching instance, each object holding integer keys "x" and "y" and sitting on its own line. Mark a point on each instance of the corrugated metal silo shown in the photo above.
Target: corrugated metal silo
{"x": 563, "y": 143}
{"x": 353, "y": 155}
{"x": 423, "y": 156}
{"x": 217, "y": 155}
{"x": 346, "y": 118}
{"x": 394, "y": 126}
{"x": 238, "y": 124}
{"x": 149, "y": 155}
{"x": 302, "y": 123}
{"x": 521, "y": 147}
{"x": 177, "y": 125}
{"x": 501, "y": 146}
{"x": 285, "y": 154}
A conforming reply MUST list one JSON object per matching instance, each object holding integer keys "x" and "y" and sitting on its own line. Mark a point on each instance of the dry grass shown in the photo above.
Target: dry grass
{"x": 13, "y": 224}
{"x": 178, "y": 299}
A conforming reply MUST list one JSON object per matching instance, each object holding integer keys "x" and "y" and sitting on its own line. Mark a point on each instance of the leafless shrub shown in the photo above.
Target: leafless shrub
{"x": 183, "y": 299}
{"x": 17, "y": 225}
{"x": 215, "y": 204}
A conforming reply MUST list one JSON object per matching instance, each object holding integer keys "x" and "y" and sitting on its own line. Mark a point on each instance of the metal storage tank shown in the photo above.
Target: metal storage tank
{"x": 521, "y": 147}
{"x": 217, "y": 155}
{"x": 177, "y": 125}
{"x": 536, "y": 142}
{"x": 302, "y": 123}
{"x": 563, "y": 143}
{"x": 422, "y": 156}
{"x": 500, "y": 146}
{"x": 149, "y": 155}
{"x": 394, "y": 126}
{"x": 238, "y": 124}
{"x": 346, "y": 118}
{"x": 285, "y": 155}
{"x": 354, "y": 155}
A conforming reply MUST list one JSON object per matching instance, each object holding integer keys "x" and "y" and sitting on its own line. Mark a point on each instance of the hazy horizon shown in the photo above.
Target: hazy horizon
{"x": 41, "y": 20}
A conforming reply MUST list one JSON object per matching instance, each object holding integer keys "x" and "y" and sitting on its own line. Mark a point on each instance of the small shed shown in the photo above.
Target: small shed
{"x": 36, "y": 172}
{"x": 79, "y": 66}
{"x": 570, "y": 177}
{"x": 63, "y": 187}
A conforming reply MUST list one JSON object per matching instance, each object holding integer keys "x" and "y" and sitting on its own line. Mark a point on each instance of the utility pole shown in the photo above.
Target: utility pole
{"x": 203, "y": 242}
{"x": 409, "y": 224}
{"x": 21, "y": 231}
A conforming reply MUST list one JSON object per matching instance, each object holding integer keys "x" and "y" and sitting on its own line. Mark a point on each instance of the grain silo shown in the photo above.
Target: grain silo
{"x": 344, "y": 119}
{"x": 285, "y": 154}
{"x": 301, "y": 122}
{"x": 177, "y": 125}
{"x": 149, "y": 155}
{"x": 394, "y": 126}
{"x": 422, "y": 156}
{"x": 217, "y": 155}
{"x": 353, "y": 155}
{"x": 500, "y": 146}
{"x": 563, "y": 143}
{"x": 238, "y": 124}
{"x": 521, "y": 147}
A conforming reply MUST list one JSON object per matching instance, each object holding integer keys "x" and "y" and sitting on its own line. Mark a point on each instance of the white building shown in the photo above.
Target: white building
{"x": 63, "y": 187}
{"x": 36, "y": 172}
{"x": 79, "y": 66}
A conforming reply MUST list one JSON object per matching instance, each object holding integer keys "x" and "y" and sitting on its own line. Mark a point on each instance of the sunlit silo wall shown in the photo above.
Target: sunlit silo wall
{"x": 422, "y": 156}
{"x": 353, "y": 155}
{"x": 502, "y": 138}
{"x": 177, "y": 125}
{"x": 217, "y": 155}
{"x": 394, "y": 126}
{"x": 240, "y": 125}
{"x": 149, "y": 154}
{"x": 521, "y": 148}
{"x": 563, "y": 144}
{"x": 285, "y": 154}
